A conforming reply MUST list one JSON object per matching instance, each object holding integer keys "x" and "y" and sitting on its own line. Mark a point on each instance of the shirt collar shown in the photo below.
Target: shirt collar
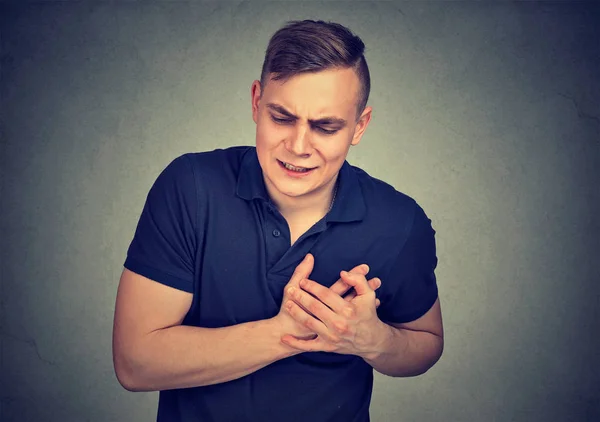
{"x": 349, "y": 204}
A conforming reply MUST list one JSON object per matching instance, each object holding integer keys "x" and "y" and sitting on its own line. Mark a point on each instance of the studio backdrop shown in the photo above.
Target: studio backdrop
{"x": 487, "y": 114}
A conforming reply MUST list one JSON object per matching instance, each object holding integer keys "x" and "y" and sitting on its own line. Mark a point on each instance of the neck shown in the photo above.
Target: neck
{"x": 313, "y": 204}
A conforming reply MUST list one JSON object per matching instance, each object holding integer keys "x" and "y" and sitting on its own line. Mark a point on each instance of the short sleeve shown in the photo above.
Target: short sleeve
{"x": 412, "y": 274}
{"x": 164, "y": 244}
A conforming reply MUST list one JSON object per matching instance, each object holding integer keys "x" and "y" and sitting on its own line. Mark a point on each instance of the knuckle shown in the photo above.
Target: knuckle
{"x": 335, "y": 339}
{"x": 349, "y": 311}
{"x": 341, "y": 326}
{"x": 340, "y": 287}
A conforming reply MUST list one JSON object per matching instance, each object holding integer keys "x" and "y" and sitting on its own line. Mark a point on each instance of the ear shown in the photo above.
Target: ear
{"x": 255, "y": 93}
{"x": 361, "y": 125}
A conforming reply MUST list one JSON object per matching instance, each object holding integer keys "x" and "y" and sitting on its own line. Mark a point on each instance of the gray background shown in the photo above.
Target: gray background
{"x": 487, "y": 114}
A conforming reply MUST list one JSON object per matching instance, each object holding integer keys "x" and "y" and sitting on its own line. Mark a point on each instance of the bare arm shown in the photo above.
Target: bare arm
{"x": 152, "y": 351}
{"x": 410, "y": 349}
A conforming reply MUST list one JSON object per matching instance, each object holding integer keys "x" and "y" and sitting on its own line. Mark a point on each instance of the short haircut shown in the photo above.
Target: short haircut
{"x": 312, "y": 46}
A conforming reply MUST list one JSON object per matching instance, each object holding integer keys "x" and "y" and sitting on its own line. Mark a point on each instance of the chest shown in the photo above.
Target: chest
{"x": 248, "y": 256}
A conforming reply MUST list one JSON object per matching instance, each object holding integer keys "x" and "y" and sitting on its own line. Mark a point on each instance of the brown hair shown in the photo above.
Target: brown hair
{"x": 312, "y": 46}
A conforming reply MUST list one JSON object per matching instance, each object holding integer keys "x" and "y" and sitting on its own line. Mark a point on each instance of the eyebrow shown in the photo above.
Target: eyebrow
{"x": 328, "y": 120}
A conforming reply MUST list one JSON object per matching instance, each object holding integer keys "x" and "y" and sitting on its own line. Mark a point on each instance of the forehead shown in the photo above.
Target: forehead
{"x": 312, "y": 94}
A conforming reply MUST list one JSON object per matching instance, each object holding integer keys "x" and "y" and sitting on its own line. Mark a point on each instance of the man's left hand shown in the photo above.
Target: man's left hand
{"x": 345, "y": 327}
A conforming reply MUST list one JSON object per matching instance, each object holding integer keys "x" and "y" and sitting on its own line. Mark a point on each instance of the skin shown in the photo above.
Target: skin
{"x": 353, "y": 327}
{"x": 303, "y": 142}
{"x": 310, "y": 121}
{"x": 153, "y": 351}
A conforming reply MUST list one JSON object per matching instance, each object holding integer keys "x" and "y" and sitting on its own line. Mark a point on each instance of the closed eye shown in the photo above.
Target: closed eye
{"x": 281, "y": 121}
{"x": 290, "y": 121}
{"x": 326, "y": 131}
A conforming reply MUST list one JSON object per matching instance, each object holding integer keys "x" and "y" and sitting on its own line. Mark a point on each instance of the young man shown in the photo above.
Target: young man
{"x": 235, "y": 302}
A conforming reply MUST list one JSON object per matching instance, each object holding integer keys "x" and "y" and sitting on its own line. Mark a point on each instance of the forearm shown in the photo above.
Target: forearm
{"x": 405, "y": 353}
{"x": 185, "y": 356}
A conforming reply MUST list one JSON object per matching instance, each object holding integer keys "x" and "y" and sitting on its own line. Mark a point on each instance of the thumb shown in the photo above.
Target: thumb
{"x": 359, "y": 282}
{"x": 363, "y": 269}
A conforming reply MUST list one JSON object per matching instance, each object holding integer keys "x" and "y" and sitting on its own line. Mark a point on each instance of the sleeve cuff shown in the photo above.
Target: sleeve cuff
{"x": 417, "y": 313}
{"x": 159, "y": 276}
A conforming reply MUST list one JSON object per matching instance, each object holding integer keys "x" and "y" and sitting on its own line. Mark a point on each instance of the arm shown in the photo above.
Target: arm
{"x": 400, "y": 350}
{"x": 152, "y": 351}
{"x": 409, "y": 349}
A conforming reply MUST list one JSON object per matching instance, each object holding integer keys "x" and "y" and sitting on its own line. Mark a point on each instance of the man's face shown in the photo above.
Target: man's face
{"x": 309, "y": 121}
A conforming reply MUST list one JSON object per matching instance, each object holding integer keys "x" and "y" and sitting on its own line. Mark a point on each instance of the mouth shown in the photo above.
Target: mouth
{"x": 295, "y": 169}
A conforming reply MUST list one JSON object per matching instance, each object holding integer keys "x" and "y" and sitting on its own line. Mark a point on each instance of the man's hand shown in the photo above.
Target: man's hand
{"x": 296, "y": 329}
{"x": 345, "y": 327}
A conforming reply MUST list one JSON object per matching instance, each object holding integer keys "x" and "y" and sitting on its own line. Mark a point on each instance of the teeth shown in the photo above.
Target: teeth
{"x": 290, "y": 167}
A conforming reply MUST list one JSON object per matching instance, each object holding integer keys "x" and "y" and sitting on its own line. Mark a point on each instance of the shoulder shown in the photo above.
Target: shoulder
{"x": 218, "y": 159}
{"x": 213, "y": 168}
{"x": 195, "y": 174}
{"x": 220, "y": 155}
{"x": 384, "y": 201}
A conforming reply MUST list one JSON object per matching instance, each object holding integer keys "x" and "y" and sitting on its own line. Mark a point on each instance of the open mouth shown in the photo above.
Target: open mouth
{"x": 295, "y": 169}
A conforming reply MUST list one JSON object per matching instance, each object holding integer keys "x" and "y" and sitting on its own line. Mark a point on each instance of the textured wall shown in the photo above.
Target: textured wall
{"x": 487, "y": 114}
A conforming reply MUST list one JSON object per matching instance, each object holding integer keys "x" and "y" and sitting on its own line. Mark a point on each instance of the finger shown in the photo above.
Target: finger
{"x": 321, "y": 301}
{"x": 350, "y": 296}
{"x": 340, "y": 287}
{"x": 374, "y": 283}
{"x": 327, "y": 334}
{"x": 359, "y": 282}
{"x": 313, "y": 324}
{"x": 303, "y": 269}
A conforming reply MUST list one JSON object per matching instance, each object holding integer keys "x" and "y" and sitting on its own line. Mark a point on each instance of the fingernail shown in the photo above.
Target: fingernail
{"x": 366, "y": 268}
{"x": 378, "y": 283}
{"x": 291, "y": 291}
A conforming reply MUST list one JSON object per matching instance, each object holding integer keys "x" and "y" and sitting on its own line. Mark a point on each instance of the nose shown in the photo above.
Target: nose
{"x": 298, "y": 143}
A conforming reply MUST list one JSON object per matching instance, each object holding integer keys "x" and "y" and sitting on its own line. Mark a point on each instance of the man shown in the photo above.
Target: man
{"x": 244, "y": 295}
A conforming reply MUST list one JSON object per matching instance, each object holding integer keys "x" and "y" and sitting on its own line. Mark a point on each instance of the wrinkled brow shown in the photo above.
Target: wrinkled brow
{"x": 328, "y": 120}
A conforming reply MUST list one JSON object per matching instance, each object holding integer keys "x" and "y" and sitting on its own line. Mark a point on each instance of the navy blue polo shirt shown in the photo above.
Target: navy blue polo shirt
{"x": 208, "y": 227}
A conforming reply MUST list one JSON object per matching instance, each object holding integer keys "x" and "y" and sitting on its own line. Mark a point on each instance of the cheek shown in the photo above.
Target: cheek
{"x": 266, "y": 134}
{"x": 335, "y": 152}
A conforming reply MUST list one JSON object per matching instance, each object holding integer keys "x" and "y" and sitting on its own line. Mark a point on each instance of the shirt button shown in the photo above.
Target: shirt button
{"x": 276, "y": 233}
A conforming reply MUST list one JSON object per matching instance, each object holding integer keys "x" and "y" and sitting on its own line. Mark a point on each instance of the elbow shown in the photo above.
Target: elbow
{"x": 436, "y": 356}
{"x": 126, "y": 382}
{"x": 127, "y": 375}
{"x": 130, "y": 382}
{"x": 425, "y": 365}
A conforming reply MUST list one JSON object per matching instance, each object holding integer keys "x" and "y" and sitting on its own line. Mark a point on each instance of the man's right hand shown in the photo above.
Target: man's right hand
{"x": 302, "y": 271}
